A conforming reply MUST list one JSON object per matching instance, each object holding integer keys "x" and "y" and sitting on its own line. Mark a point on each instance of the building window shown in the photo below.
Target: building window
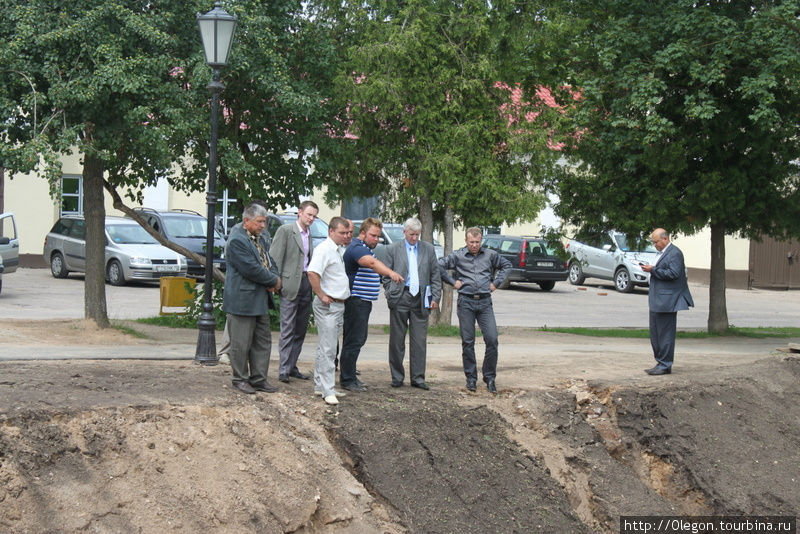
{"x": 71, "y": 194}
{"x": 227, "y": 212}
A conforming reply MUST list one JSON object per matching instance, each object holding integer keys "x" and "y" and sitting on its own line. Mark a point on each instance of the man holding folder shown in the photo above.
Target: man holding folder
{"x": 410, "y": 302}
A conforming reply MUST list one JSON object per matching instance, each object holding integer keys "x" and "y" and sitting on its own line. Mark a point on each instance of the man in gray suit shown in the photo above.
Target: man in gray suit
{"x": 669, "y": 294}
{"x": 411, "y": 301}
{"x": 250, "y": 277}
{"x": 292, "y": 247}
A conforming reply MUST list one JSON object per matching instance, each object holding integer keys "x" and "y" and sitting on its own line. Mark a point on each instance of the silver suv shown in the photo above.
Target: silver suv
{"x": 610, "y": 256}
{"x": 131, "y": 253}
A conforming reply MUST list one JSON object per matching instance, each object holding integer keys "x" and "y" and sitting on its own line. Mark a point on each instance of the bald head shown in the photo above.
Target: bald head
{"x": 659, "y": 238}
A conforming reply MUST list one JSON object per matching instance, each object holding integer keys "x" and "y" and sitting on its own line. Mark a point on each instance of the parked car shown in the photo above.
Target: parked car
{"x": 188, "y": 229}
{"x": 532, "y": 260}
{"x": 131, "y": 253}
{"x": 612, "y": 256}
{"x": 319, "y": 228}
{"x": 394, "y": 232}
{"x": 9, "y": 245}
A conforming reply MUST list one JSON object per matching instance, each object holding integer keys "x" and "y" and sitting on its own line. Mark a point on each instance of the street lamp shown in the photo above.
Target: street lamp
{"x": 216, "y": 29}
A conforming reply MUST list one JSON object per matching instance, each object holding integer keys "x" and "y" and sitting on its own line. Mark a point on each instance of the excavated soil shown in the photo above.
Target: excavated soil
{"x": 165, "y": 446}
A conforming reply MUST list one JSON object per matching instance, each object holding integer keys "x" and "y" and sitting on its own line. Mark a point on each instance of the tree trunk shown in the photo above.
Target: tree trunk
{"x": 444, "y": 315}
{"x": 94, "y": 212}
{"x": 718, "y": 308}
{"x": 426, "y": 218}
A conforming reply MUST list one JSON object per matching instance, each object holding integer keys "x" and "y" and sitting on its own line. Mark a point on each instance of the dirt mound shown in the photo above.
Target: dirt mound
{"x": 162, "y": 446}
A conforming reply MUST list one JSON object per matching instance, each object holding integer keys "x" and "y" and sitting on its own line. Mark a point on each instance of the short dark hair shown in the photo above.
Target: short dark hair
{"x": 474, "y": 231}
{"x": 336, "y": 222}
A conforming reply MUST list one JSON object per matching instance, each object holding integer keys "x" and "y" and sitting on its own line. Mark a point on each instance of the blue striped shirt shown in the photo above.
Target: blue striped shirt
{"x": 364, "y": 282}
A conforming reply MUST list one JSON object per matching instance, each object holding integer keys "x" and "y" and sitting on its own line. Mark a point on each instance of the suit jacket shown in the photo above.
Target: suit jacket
{"x": 287, "y": 249}
{"x": 246, "y": 280}
{"x": 396, "y": 259}
{"x": 669, "y": 289}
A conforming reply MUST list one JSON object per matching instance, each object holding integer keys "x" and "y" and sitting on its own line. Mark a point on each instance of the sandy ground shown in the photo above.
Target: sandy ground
{"x": 577, "y": 437}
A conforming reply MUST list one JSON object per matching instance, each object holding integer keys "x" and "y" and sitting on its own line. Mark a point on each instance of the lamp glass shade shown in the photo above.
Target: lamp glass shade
{"x": 216, "y": 29}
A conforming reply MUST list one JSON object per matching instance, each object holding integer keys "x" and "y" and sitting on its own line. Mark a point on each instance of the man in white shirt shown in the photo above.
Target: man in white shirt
{"x": 331, "y": 287}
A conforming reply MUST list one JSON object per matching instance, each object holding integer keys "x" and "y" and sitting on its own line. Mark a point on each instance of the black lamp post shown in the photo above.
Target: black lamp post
{"x": 216, "y": 29}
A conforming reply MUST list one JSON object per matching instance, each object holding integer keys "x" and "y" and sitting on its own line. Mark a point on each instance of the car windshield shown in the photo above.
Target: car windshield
{"x": 395, "y": 233}
{"x": 319, "y": 229}
{"x": 187, "y": 227}
{"x": 129, "y": 234}
{"x": 640, "y": 244}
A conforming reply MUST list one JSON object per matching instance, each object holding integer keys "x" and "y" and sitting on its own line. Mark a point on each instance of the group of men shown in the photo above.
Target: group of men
{"x": 341, "y": 278}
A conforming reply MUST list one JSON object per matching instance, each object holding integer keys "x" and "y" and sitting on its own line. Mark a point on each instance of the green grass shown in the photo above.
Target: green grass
{"x": 733, "y": 331}
{"x": 170, "y": 321}
{"x": 130, "y": 331}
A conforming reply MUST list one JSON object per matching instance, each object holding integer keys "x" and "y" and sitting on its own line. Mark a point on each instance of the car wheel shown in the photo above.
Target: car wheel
{"x": 576, "y": 276}
{"x": 547, "y": 285}
{"x": 57, "y": 266}
{"x": 622, "y": 280}
{"x": 114, "y": 273}
{"x": 506, "y": 284}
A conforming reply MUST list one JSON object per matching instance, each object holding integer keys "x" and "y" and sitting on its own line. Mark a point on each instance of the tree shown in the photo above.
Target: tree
{"x": 421, "y": 124}
{"x": 690, "y": 119}
{"x": 123, "y": 84}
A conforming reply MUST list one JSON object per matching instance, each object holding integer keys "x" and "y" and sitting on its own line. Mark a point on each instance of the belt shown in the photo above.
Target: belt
{"x": 337, "y": 300}
{"x": 477, "y": 296}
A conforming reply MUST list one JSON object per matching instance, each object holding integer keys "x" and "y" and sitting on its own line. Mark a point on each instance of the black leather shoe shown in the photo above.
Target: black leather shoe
{"x": 244, "y": 387}
{"x": 472, "y": 384}
{"x": 264, "y": 387}
{"x": 397, "y": 384}
{"x": 655, "y": 371}
{"x": 297, "y": 374}
{"x": 491, "y": 387}
{"x": 420, "y": 385}
{"x": 360, "y": 383}
{"x": 358, "y": 373}
{"x": 353, "y": 387}
{"x": 283, "y": 378}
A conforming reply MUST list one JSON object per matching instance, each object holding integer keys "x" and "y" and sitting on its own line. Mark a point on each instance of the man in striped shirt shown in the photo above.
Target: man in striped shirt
{"x": 364, "y": 271}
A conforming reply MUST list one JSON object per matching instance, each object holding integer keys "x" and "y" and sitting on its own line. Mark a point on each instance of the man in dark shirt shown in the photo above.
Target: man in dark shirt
{"x": 478, "y": 272}
{"x": 364, "y": 272}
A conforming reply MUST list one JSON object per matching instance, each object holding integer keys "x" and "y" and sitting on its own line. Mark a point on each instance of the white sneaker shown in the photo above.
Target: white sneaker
{"x": 337, "y": 393}
{"x": 331, "y": 399}
{"x": 223, "y": 358}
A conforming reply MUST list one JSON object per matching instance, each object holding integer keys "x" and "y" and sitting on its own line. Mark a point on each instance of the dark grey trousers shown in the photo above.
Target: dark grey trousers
{"x": 250, "y": 347}
{"x": 662, "y": 337}
{"x": 408, "y": 316}
{"x": 469, "y": 312}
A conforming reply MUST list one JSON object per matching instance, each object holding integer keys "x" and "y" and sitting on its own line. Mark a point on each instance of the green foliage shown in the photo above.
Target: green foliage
{"x": 194, "y": 306}
{"x": 421, "y": 122}
{"x": 689, "y": 117}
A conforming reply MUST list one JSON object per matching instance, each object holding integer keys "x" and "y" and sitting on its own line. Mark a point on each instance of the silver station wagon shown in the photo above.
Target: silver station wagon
{"x": 131, "y": 253}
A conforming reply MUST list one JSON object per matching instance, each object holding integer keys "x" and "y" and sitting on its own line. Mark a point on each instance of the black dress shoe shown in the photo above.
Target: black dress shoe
{"x": 283, "y": 378}
{"x": 472, "y": 384}
{"x": 297, "y": 374}
{"x": 420, "y": 385}
{"x": 264, "y": 387}
{"x": 397, "y": 384}
{"x": 244, "y": 387}
{"x": 360, "y": 383}
{"x": 491, "y": 387}
{"x": 353, "y": 386}
{"x": 358, "y": 373}
{"x": 656, "y": 371}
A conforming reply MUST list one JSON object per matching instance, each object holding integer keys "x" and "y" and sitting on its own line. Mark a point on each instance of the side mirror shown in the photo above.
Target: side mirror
{"x": 607, "y": 248}
{"x": 5, "y": 240}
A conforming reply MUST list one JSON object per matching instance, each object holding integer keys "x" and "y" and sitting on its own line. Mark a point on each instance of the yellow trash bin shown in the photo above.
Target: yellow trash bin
{"x": 174, "y": 293}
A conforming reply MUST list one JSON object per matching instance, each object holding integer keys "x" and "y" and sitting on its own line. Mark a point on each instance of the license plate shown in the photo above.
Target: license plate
{"x": 544, "y": 263}
{"x": 166, "y": 268}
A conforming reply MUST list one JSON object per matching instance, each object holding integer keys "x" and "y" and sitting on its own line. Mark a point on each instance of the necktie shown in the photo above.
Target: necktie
{"x": 413, "y": 273}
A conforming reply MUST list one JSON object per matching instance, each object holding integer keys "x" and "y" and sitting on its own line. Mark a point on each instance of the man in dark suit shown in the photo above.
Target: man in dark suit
{"x": 669, "y": 294}
{"x": 250, "y": 277}
{"x": 292, "y": 247}
{"x": 411, "y": 301}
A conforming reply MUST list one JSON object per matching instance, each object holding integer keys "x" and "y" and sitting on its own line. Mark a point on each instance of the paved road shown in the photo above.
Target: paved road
{"x": 35, "y": 294}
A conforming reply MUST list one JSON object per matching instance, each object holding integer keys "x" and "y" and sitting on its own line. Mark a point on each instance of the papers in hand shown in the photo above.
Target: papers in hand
{"x": 428, "y": 296}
